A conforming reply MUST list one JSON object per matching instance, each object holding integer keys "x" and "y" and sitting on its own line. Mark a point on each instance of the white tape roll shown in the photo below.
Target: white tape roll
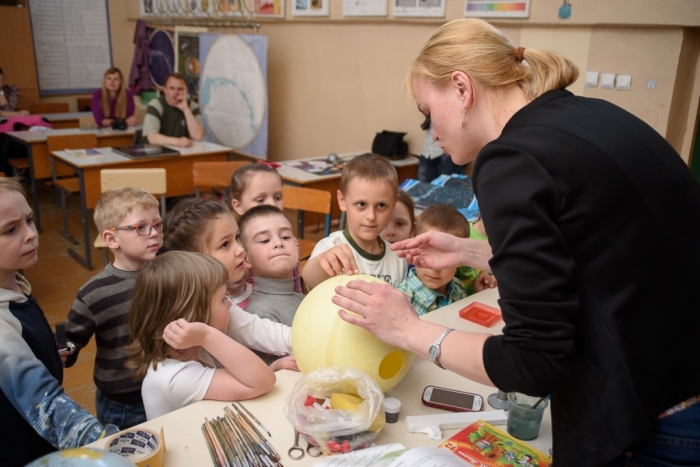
{"x": 141, "y": 446}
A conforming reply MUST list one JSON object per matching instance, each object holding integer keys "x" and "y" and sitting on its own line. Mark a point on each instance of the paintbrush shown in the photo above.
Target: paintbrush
{"x": 253, "y": 417}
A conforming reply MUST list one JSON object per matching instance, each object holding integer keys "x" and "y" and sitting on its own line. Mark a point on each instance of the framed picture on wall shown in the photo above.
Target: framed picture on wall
{"x": 269, "y": 8}
{"x": 425, "y": 8}
{"x": 497, "y": 9}
{"x": 310, "y": 7}
{"x": 365, "y": 8}
{"x": 232, "y": 7}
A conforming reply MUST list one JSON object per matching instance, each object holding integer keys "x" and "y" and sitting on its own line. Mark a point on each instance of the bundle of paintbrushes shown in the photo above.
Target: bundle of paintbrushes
{"x": 234, "y": 441}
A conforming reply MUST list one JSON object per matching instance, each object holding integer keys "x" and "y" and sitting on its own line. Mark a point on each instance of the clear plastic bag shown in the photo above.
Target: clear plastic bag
{"x": 330, "y": 428}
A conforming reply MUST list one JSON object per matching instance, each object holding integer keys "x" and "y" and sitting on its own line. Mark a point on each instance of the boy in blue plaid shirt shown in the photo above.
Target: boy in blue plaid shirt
{"x": 429, "y": 289}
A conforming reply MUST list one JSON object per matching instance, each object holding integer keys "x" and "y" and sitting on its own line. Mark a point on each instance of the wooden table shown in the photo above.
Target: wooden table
{"x": 66, "y": 119}
{"x": 38, "y": 153}
{"x": 178, "y": 176}
{"x": 186, "y": 445}
{"x": 405, "y": 168}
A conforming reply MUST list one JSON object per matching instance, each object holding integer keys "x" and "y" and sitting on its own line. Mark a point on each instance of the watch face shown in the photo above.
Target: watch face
{"x": 433, "y": 352}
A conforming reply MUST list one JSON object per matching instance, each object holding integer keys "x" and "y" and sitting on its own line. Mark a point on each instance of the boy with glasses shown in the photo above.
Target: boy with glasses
{"x": 131, "y": 227}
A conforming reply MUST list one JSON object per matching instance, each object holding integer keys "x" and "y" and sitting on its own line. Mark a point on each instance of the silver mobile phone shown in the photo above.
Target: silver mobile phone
{"x": 451, "y": 399}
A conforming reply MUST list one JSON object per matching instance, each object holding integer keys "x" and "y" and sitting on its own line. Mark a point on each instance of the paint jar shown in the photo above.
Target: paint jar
{"x": 391, "y": 407}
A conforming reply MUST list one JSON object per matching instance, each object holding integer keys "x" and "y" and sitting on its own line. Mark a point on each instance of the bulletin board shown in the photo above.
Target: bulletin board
{"x": 71, "y": 44}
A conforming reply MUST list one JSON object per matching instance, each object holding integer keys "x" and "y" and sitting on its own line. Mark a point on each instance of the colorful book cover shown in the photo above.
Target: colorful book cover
{"x": 484, "y": 445}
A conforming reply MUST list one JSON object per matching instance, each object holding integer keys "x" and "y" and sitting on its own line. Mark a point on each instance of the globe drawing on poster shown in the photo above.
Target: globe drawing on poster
{"x": 162, "y": 56}
{"x": 233, "y": 91}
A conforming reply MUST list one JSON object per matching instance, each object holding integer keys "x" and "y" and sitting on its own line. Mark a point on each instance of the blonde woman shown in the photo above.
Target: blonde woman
{"x": 113, "y": 101}
{"x": 581, "y": 199}
{"x": 180, "y": 306}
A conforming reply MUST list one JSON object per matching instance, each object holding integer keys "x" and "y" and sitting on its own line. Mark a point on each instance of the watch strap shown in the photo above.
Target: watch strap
{"x": 437, "y": 344}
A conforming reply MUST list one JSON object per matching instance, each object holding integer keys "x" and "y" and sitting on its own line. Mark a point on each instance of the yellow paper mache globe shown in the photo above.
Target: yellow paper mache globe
{"x": 320, "y": 338}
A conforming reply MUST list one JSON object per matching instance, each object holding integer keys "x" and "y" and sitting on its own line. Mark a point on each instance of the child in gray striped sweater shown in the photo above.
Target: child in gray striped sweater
{"x": 130, "y": 224}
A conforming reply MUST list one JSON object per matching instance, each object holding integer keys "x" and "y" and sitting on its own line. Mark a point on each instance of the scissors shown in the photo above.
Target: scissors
{"x": 296, "y": 452}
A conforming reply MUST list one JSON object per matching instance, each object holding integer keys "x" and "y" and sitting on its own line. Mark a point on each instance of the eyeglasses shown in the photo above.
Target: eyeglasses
{"x": 142, "y": 229}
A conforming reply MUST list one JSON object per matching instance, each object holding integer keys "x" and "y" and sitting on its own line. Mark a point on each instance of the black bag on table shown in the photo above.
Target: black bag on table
{"x": 390, "y": 144}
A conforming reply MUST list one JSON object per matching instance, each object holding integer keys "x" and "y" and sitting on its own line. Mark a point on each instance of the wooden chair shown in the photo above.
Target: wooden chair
{"x": 49, "y": 108}
{"x": 18, "y": 164}
{"x": 307, "y": 200}
{"x": 151, "y": 180}
{"x": 87, "y": 122}
{"x": 68, "y": 185}
{"x": 84, "y": 104}
{"x": 214, "y": 175}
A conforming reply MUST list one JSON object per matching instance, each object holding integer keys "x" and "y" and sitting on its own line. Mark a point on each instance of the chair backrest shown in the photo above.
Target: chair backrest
{"x": 77, "y": 141}
{"x": 308, "y": 199}
{"x": 152, "y": 180}
{"x": 214, "y": 175}
{"x": 140, "y": 112}
{"x": 84, "y": 104}
{"x": 137, "y": 137}
{"x": 87, "y": 122}
{"x": 49, "y": 108}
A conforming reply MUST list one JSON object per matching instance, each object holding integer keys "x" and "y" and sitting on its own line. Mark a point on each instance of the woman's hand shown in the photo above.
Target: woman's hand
{"x": 439, "y": 250}
{"x": 286, "y": 363}
{"x": 433, "y": 250}
{"x": 383, "y": 310}
{"x": 182, "y": 334}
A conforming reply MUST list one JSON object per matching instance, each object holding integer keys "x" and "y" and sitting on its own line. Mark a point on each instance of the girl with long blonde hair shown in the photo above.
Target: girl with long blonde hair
{"x": 113, "y": 101}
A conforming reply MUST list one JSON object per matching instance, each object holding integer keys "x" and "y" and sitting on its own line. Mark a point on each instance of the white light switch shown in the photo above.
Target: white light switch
{"x": 591, "y": 79}
{"x": 607, "y": 80}
{"x": 623, "y": 82}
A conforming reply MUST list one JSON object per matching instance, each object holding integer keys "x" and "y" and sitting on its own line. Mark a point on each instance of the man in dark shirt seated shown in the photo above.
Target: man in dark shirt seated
{"x": 171, "y": 118}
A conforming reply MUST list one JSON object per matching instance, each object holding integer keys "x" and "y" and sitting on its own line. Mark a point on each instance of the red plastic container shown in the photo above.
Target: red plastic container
{"x": 481, "y": 314}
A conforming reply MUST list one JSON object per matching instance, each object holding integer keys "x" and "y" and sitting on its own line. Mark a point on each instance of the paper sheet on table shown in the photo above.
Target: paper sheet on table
{"x": 361, "y": 458}
{"x": 428, "y": 457}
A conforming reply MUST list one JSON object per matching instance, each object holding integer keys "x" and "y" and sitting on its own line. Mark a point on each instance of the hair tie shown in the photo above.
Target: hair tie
{"x": 272, "y": 165}
{"x": 520, "y": 54}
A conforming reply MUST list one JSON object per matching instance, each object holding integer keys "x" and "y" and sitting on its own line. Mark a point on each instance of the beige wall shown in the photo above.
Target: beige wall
{"x": 334, "y": 82}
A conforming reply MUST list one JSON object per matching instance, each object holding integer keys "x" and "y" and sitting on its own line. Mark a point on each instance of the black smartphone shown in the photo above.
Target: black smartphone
{"x": 451, "y": 399}
{"x": 61, "y": 340}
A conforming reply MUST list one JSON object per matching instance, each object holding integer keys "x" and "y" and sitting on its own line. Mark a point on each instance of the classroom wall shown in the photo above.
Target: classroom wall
{"x": 335, "y": 81}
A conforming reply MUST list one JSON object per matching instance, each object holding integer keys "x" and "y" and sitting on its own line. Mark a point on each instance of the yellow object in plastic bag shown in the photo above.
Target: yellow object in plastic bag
{"x": 351, "y": 402}
{"x": 353, "y": 425}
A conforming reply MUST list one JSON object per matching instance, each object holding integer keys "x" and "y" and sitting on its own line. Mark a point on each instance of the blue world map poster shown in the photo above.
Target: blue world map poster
{"x": 233, "y": 91}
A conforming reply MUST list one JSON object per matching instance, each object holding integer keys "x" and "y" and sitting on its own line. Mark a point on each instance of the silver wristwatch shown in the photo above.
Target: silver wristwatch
{"x": 434, "y": 350}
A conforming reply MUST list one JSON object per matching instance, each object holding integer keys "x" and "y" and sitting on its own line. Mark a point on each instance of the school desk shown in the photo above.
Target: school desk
{"x": 405, "y": 168}
{"x": 38, "y": 153}
{"x": 66, "y": 119}
{"x": 178, "y": 176}
{"x": 186, "y": 445}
